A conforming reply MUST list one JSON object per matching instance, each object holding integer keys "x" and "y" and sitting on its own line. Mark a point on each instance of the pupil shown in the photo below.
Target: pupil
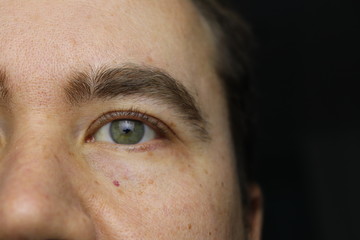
{"x": 126, "y": 130}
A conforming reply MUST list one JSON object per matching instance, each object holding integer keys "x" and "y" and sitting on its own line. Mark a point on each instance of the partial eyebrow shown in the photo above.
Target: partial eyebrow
{"x": 4, "y": 91}
{"x": 134, "y": 80}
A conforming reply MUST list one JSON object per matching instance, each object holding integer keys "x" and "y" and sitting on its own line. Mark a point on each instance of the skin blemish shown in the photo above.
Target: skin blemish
{"x": 189, "y": 226}
{"x": 151, "y": 181}
{"x": 116, "y": 183}
{"x": 149, "y": 59}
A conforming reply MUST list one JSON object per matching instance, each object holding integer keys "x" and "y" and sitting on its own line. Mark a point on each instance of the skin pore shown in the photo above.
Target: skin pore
{"x": 58, "y": 180}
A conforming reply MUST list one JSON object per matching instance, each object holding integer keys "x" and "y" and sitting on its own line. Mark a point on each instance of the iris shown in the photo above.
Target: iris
{"x": 127, "y": 131}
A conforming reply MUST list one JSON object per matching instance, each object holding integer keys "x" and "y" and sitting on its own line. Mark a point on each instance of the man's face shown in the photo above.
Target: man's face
{"x": 113, "y": 124}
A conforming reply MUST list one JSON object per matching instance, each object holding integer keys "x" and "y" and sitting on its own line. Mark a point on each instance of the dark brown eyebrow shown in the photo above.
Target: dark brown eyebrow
{"x": 4, "y": 92}
{"x": 133, "y": 80}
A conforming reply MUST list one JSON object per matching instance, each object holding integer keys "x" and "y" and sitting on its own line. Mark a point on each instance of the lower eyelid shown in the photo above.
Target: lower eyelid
{"x": 137, "y": 148}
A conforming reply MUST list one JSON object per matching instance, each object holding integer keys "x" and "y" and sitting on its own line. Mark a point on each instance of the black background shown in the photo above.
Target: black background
{"x": 308, "y": 133}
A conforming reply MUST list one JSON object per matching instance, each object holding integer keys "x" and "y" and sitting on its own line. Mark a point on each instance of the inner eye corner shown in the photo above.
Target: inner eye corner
{"x": 89, "y": 138}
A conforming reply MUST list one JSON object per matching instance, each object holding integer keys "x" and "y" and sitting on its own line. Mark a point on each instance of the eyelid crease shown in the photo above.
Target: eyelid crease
{"x": 157, "y": 125}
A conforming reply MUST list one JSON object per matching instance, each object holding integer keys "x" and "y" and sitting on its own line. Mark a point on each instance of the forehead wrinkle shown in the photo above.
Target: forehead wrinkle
{"x": 131, "y": 80}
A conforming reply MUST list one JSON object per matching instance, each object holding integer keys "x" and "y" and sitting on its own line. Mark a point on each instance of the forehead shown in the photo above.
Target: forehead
{"x": 44, "y": 39}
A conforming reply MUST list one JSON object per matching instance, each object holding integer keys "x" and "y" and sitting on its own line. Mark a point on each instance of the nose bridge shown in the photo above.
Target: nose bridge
{"x": 30, "y": 155}
{"x": 29, "y": 167}
{"x": 32, "y": 160}
{"x": 36, "y": 147}
{"x": 37, "y": 200}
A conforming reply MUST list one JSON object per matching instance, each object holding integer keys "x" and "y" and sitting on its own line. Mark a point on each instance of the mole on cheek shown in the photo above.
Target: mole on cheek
{"x": 116, "y": 183}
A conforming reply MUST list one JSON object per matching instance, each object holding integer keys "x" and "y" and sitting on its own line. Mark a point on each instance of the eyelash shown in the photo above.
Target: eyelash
{"x": 161, "y": 129}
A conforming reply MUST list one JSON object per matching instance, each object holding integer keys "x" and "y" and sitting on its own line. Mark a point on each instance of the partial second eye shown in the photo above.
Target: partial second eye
{"x": 125, "y": 131}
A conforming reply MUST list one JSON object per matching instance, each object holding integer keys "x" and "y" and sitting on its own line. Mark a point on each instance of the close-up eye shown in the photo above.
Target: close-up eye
{"x": 125, "y": 131}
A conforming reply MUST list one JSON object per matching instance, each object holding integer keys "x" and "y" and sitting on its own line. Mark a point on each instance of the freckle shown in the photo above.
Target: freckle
{"x": 222, "y": 184}
{"x": 116, "y": 183}
{"x": 73, "y": 42}
{"x": 150, "y": 181}
{"x": 205, "y": 171}
{"x": 209, "y": 233}
{"x": 149, "y": 59}
{"x": 189, "y": 226}
{"x": 189, "y": 166}
{"x": 201, "y": 185}
{"x": 97, "y": 183}
{"x": 150, "y": 154}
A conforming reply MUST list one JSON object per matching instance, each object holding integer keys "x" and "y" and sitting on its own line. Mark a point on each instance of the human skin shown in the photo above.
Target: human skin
{"x": 57, "y": 181}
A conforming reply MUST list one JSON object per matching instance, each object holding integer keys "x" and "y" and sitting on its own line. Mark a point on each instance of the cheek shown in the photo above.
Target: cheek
{"x": 159, "y": 199}
{"x": 187, "y": 204}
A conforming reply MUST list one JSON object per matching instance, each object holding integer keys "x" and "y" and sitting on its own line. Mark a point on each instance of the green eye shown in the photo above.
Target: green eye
{"x": 125, "y": 131}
